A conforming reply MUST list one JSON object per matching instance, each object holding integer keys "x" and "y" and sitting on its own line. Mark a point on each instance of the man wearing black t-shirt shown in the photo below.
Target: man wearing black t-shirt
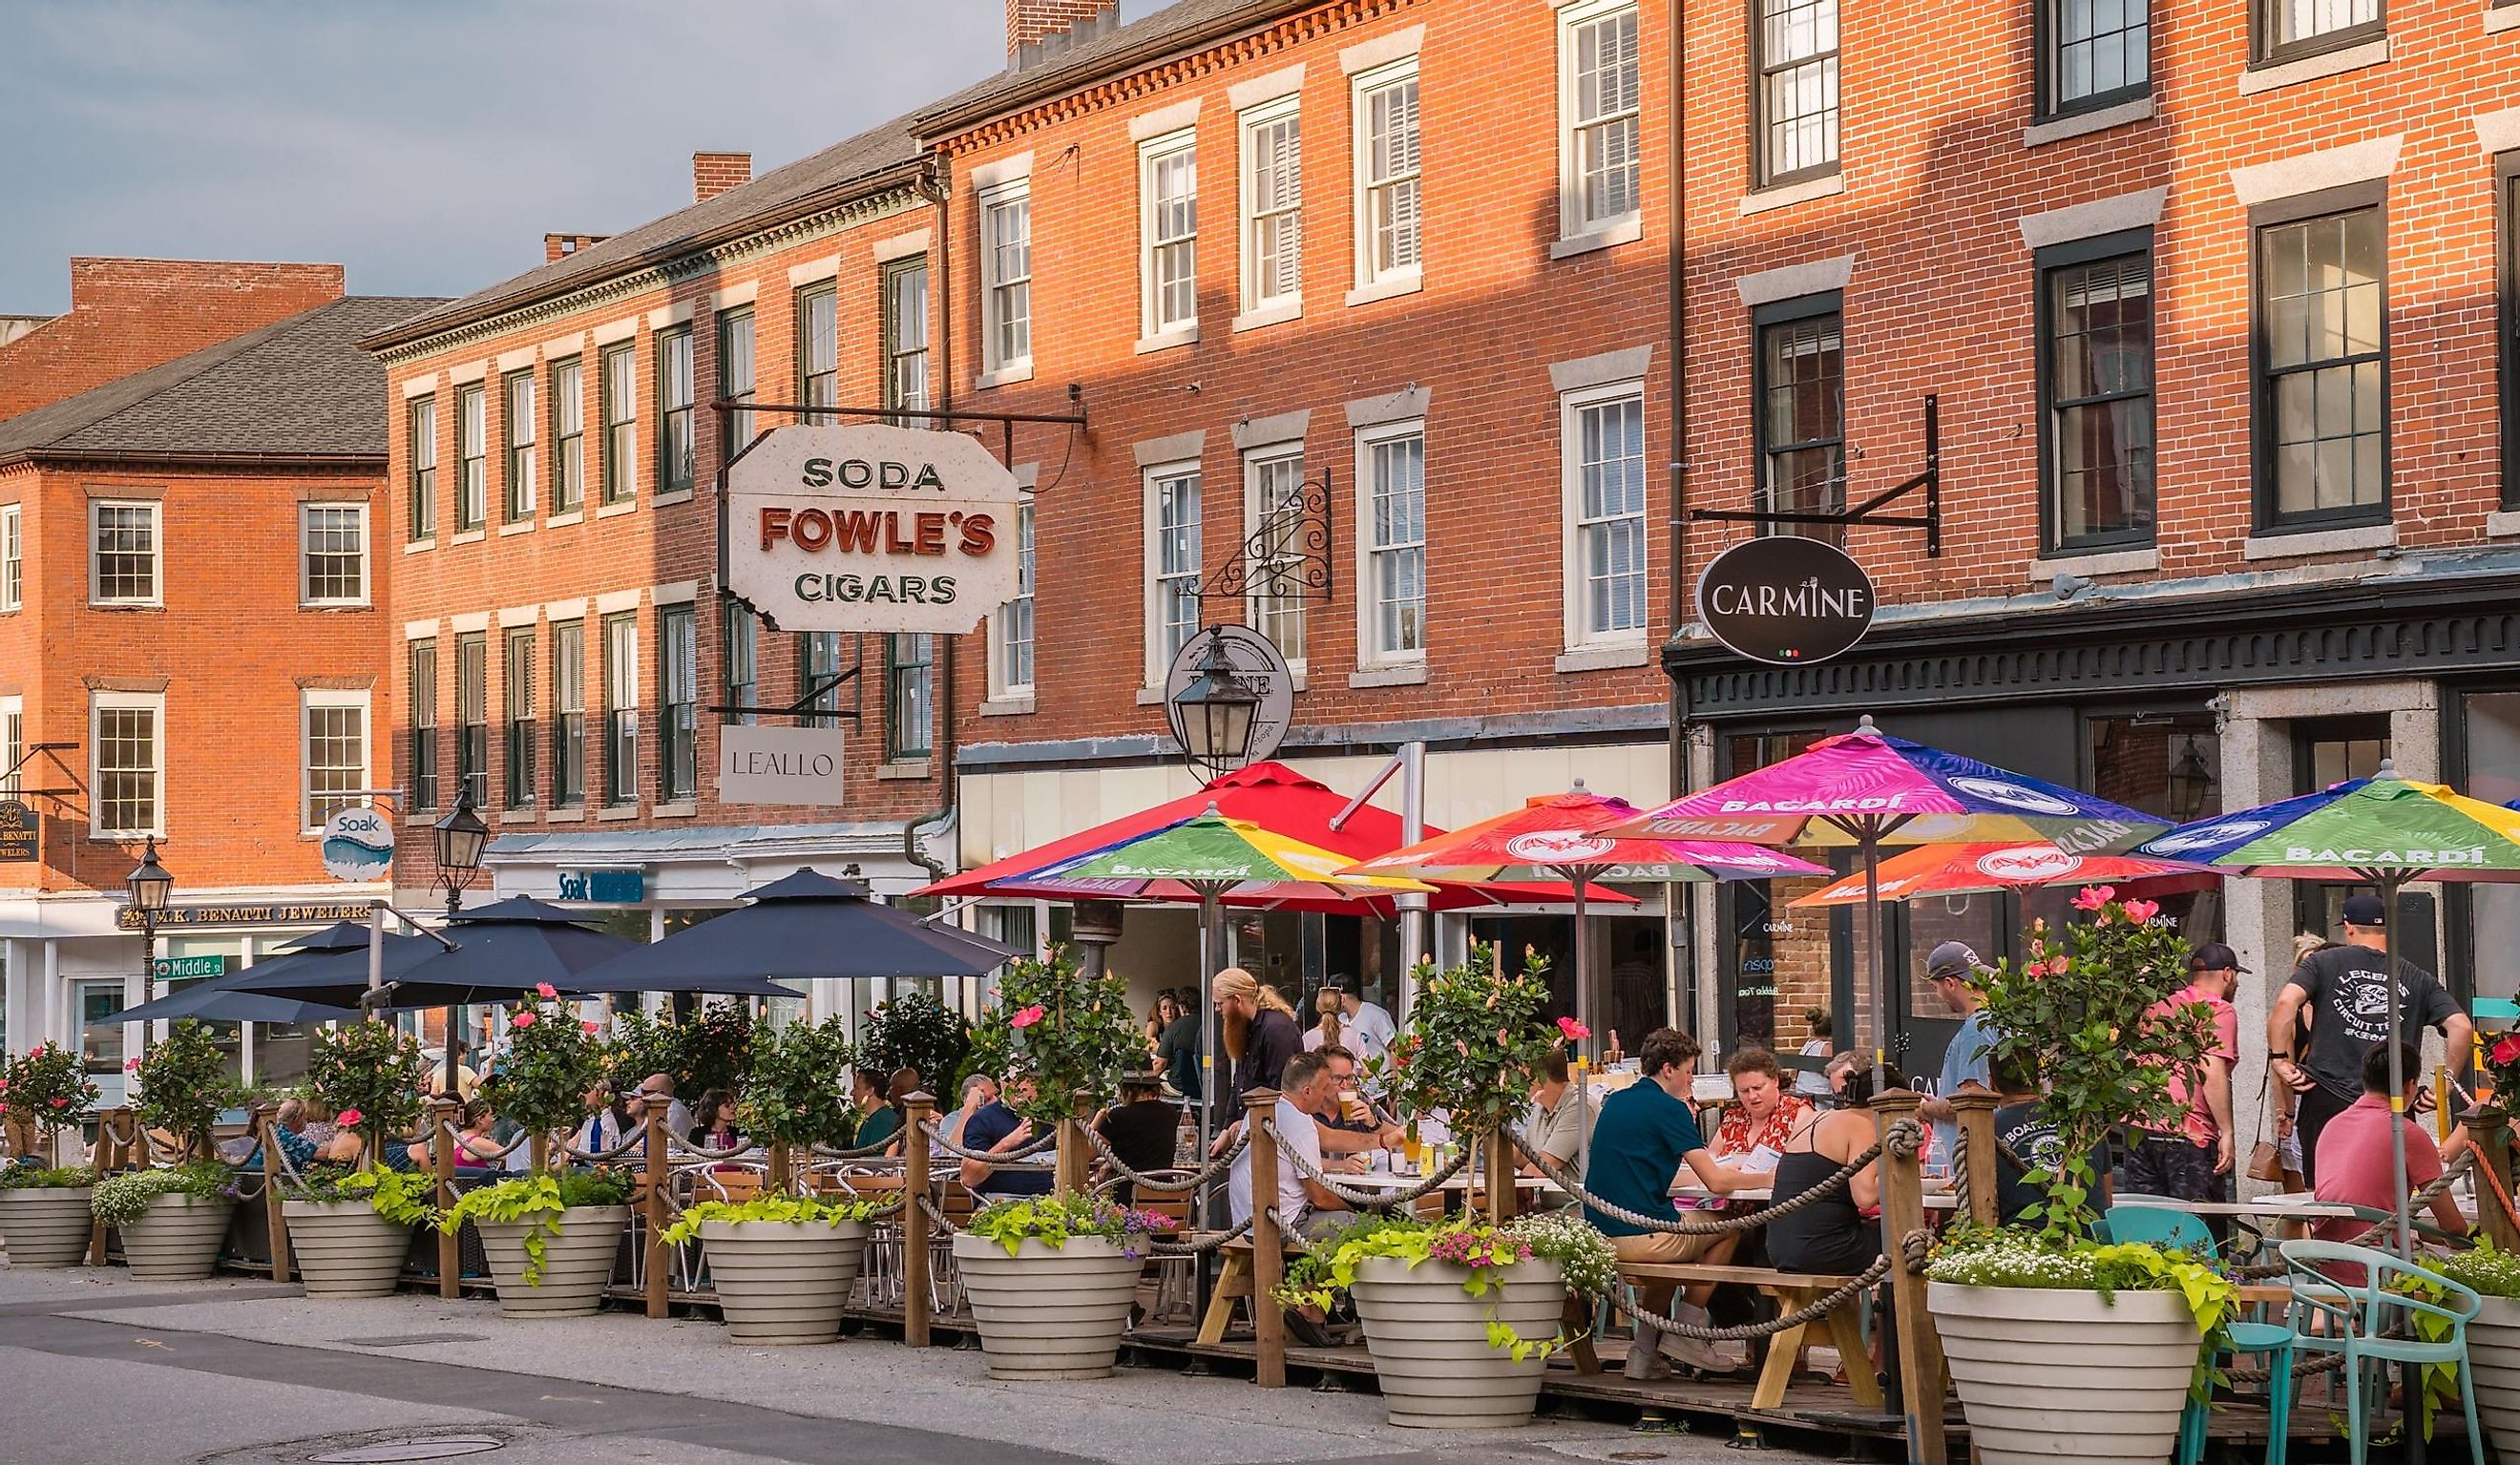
{"x": 1140, "y": 1129}
{"x": 1178, "y": 1048}
{"x": 2346, "y": 996}
{"x": 1259, "y": 1033}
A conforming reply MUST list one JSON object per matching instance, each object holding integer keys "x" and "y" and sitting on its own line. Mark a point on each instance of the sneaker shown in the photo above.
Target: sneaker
{"x": 1645, "y": 1364}
{"x": 1307, "y": 1332}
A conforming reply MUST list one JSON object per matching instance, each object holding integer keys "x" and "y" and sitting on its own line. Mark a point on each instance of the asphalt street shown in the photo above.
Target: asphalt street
{"x": 101, "y": 1368}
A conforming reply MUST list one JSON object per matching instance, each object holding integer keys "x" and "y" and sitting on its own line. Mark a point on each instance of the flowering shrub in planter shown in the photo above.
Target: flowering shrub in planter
{"x": 916, "y": 1031}
{"x": 553, "y": 1058}
{"x": 1479, "y": 1256}
{"x": 536, "y": 1203}
{"x": 369, "y": 1073}
{"x": 46, "y": 1090}
{"x": 709, "y": 1049}
{"x": 1064, "y": 1034}
{"x": 184, "y": 1085}
{"x": 1474, "y": 1042}
{"x": 799, "y": 1090}
{"x": 782, "y": 1264}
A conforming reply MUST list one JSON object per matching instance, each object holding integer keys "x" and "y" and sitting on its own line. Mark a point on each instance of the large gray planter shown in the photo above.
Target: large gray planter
{"x": 1429, "y": 1340}
{"x": 1049, "y": 1313}
{"x": 44, "y": 1225}
{"x": 2048, "y": 1374}
{"x": 783, "y": 1281}
{"x": 2493, "y": 1370}
{"x": 577, "y": 1263}
{"x": 178, "y": 1238}
{"x": 345, "y": 1248}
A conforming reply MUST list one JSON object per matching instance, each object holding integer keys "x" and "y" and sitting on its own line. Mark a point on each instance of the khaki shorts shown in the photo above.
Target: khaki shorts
{"x": 1663, "y": 1246}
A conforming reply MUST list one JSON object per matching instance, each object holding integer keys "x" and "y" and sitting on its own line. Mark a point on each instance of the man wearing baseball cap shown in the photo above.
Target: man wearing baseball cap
{"x": 2345, "y": 991}
{"x": 1952, "y": 971}
{"x": 2193, "y": 1162}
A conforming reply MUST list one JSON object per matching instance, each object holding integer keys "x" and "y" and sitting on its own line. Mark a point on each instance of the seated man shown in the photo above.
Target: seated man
{"x": 1141, "y": 1129}
{"x": 1645, "y": 1133}
{"x": 1304, "y": 1207}
{"x": 1559, "y": 1117}
{"x": 2353, "y": 1165}
{"x": 996, "y": 1129}
{"x": 1348, "y": 1129}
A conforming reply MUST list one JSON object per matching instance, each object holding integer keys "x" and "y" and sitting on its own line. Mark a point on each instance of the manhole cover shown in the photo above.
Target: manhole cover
{"x": 414, "y": 1340}
{"x": 388, "y": 1451}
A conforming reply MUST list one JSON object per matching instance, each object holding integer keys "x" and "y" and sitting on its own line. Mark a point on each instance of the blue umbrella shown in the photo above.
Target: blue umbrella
{"x": 798, "y": 929}
{"x": 213, "y": 1002}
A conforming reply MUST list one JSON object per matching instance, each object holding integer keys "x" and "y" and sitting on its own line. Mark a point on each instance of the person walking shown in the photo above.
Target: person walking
{"x": 2193, "y": 1162}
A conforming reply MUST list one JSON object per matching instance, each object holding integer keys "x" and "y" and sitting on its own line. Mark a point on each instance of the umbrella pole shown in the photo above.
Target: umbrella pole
{"x": 2389, "y": 884}
{"x": 1579, "y": 873}
{"x": 454, "y": 1046}
{"x": 1868, "y": 845}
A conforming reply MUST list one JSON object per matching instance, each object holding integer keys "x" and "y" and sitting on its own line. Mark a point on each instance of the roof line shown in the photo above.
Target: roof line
{"x": 191, "y": 459}
{"x": 1054, "y": 81}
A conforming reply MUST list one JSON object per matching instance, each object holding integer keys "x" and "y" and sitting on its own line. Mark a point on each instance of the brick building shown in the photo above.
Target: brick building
{"x": 191, "y": 633}
{"x": 128, "y": 315}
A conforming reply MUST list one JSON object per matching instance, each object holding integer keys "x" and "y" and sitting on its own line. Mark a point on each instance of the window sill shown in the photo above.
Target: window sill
{"x": 1151, "y": 696}
{"x": 904, "y": 768}
{"x": 528, "y": 815}
{"x": 132, "y": 606}
{"x": 1787, "y": 195}
{"x": 2501, "y": 17}
{"x": 1406, "y": 674}
{"x": 618, "y": 811}
{"x": 1012, "y": 705}
{"x": 679, "y": 808}
{"x": 677, "y": 496}
{"x": 335, "y": 605}
{"x": 565, "y": 816}
{"x": 520, "y": 526}
{"x": 2277, "y": 75}
{"x": 2503, "y": 523}
{"x": 561, "y": 520}
{"x": 2045, "y": 569}
{"x": 470, "y": 537}
{"x": 418, "y": 546}
{"x": 2318, "y": 542}
{"x": 2085, "y": 124}
{"x": 122, "y": 836}
{"x": 1615, "y": 232}
{"x": 1269, "y": 314}
{"x": 1165, "y": 341}
{"x": 1389, "y": 287}
{"x": 1006, "y": 375}
{"x": 1602, "y": 658}
{"x": 615, "y": 510}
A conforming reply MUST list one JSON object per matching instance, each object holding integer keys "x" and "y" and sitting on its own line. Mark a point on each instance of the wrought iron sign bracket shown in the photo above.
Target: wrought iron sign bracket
{"x": 1867, "y": 514}
{"x": 803, "y": 706}
{"x": 1289, "y": 554}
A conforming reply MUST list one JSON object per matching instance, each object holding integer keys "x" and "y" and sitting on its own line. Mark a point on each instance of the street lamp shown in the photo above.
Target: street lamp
{"x": 150, "y": 887}
{"x": 2191, "y": 781}
{"x": 461, "y": 836}
{"x": 1217, "y": 713}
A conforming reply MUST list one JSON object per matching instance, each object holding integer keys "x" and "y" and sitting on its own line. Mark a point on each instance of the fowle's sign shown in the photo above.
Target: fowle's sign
{"x": 778, "y": 765}
{"x": 1785, "y": 601}
{"x": 871, "y": 528}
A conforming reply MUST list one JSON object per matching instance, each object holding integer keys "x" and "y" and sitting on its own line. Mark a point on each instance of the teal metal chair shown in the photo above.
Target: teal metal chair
{"x": 2168, "y": 1227}
{"x": 2360, "y": 1315}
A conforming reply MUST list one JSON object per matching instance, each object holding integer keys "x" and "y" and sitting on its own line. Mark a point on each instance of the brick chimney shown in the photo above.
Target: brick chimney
{"x": 560, "y": 245}
{"x": 714, "y": 173}
{"x": 1030, "y": 23}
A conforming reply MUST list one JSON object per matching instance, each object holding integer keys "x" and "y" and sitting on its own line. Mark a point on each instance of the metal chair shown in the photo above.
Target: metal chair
{"x": 2361, "y": 1318}
{"x": 2163, "y": 1225}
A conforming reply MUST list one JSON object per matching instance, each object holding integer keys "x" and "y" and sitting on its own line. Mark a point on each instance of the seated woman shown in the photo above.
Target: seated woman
{"x": 1840, "y": 1233}
{"x": 713, "y": 1123}
{"x": 1764, "y": 1113}
{"x": 474, "y": 1149}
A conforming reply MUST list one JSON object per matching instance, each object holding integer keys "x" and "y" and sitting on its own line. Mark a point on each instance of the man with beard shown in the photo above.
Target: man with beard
{"x": 1260, "y": 1036}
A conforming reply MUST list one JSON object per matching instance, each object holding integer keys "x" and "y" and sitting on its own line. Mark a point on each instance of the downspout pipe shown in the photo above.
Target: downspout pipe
{"x": 931, "y": 186}
{"x": 1676, "y": 898}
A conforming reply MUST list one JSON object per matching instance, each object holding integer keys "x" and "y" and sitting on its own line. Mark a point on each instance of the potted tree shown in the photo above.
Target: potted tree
{"x": 2052, "y": 1335}
{"x": 351, "y": 1232}
{"x": 550, "y": 1239}
{"x": 1051, "y": 1280}
{"x": 173, "y": 1222}
{"x": 783, "y": 1262}
{"x": 915, "y": 1031}
{"x": 44, "y": 1209}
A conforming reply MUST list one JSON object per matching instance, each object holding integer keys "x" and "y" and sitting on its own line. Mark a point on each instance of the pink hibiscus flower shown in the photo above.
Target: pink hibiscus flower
{"x": 350, "y": 1117}
{"x": 2094, "y": 897}
{"x": 521, "y": 1020}
{"x": 2140, "y": 911}
{"x": 1026, "y": 1018}
{"x": 546, "y": 991}
{"x": 1575, "y": 1032}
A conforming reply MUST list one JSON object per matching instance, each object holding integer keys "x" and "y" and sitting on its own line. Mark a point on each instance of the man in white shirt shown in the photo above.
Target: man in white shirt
{"x": 1364, "y": 1028}
{"x": 1305, "y": 1208}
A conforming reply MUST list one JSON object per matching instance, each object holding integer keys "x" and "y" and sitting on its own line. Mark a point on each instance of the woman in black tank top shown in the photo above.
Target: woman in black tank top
{"x": 1839, "y": 1233}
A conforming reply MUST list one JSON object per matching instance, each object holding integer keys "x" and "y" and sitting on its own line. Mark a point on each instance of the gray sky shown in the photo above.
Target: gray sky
{"x": 425, "y": 144}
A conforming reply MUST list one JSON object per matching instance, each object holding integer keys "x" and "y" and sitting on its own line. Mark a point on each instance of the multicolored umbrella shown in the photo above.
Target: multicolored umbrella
{"x": 1971, "y": 868}
{"x": 1233, "y": 855}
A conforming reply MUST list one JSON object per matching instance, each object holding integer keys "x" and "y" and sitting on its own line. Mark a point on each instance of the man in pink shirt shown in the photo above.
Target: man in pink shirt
{"x": 2194, "y": 1163}
{"x": 2354, "y": 1167}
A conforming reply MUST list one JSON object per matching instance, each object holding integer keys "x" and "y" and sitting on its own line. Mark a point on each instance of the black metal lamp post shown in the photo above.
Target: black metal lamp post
{"x": 1217, "y": 713}
{"x": 150, "y": 887}
{"x": 461, "y": 838}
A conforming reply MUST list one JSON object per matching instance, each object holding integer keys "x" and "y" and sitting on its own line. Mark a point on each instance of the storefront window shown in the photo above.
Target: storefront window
{"x": 2168, "y": 765}
{"x": 230, "y": 950}
{"x": 99, "y": 1030}
{"x": 2328, "y": 751}
{"x": 1774, "y": 960}
{"x": 1631, "y": 993}
{"x": 2491, "y": 743}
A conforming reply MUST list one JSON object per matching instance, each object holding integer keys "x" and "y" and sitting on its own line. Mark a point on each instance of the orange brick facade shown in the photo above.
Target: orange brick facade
{"x": 128, "y": 315}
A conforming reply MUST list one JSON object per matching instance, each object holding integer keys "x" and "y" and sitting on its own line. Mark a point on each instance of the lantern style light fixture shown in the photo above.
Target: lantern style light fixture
{"x": 2190, "y": 782}
{"x": 148, "y": 884}
{"x": 461, "y": 838}
{"x": 1216, "y": 714}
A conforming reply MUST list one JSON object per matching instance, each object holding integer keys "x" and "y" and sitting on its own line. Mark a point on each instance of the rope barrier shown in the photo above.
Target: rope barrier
{"x": 859, "y": 1152}
{"x": 500, "y": 1153}
{"x": 1178, "y": 1181}
{"x": 1810, "y": 1313}
{"x": 1747, "y": 1221}
{"x": 1288, "y": 1238}
{"x": 1014, "y": 1158}
{"x": 1203, "y": 1245}
{"x": 1370, "y": 1199}
{"x": 633, "y": 1142}
{"x": 936, "y": 1214}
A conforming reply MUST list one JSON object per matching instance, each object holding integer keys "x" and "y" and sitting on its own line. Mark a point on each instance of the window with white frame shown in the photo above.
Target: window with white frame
{"x": 904, "y": 338}
{"x": 333, "y": 752}
{"x": 13, "y": 557}
{"x": 1603, "y": 431}
{"x": 13, "y": 744}
{"x": 1274, "y": 527}
{"x": 1172, "y": 564}
{"x": 818, "y": 349}
{"x": 676, "y": 471}
{"x": 472, "y": 457}
{"x": 1598, "y": 71}
{"x": 128, "y": 767}
{"x": 569, "y": 435}
{"x": 1391, "y": 479}
{"x": 2290, "y": 27}
{"x": 1006, "y": 276}
{"x": 734, "y": 377}
{"x": 1794, "y": 46}
{"x": 1168, "y": 230}
{"x": 125, "y": 560}
{"x": 1010, "y": 649}
{"x": 1273, "y": 205}
{"x": 333, "y": 546}
{"x": 522, "y": 426}
{"x": 1386, "y": 169}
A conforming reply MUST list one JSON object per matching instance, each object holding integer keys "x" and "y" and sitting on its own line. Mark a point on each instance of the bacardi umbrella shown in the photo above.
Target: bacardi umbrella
{"x": 1970, "y": 869}
{"x": 798, "y": 929}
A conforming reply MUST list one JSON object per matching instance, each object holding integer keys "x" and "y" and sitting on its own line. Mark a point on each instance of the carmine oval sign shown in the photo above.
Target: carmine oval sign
{"x": 1785, "y": 601}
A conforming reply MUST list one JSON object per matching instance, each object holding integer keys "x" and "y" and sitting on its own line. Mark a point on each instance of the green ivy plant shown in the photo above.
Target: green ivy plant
{"x": 369, "y": 1073}
{"x": 407, "y": 1198}
{"x": 553, "y": 1058}
{"x": 40, "y": 1177}
{"x": 1069, "y": 1036}
{"x": 46, "y": 1089}
{"x": 1475, "y": 1040}
{"x": 1055, "y": 1220}
{"x": 1486, "y": 1252}
{"x": 916, "y": 1031}
{"x": 799, "y": 1090}
{"x": 793, "y": 1209}
{"x": 122, "y": 1199}
{"x": 184, "y": 1084}
{"x": 537, "y": 1201}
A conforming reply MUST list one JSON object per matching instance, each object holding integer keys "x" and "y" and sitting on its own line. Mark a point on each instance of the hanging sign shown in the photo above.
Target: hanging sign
{"x": 1785, "y": 601}
{"x": 870, "y": 527}
{"x": 604, "y": 887}
{"x": 20, "y": 832}
{"x": 358, "y": 844}
{"x": 258, "y": 914}
{"x": 1261, "y": 667}
{"x": 778, "y": 765}
{"x": 186, "y": 969}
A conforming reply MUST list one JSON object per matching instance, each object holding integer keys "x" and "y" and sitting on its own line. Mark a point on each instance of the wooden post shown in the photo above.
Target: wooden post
{"x": 918, "y": 1304}
{"x": 266, "y": 1130}
{"x": 1498, "y": 1151}
{"x": 106, "y": 1160}
{"x": 437, "y": 1114}
{"x": 1923, "y": 1381}
{"x": 2490, "y": 1129}
{"x": 1267, "y": 1242}
{"x": 1977, "y": 1125}
{"x": 660, "y": 1255}
{"x": 1071, "y": 1177}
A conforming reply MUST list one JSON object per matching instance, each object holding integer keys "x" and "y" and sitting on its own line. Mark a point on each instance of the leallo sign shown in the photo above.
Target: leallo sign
{"x": 358, "y": 844}
{"x": 871, "y": 528}
{"x": 1785, "y": 601}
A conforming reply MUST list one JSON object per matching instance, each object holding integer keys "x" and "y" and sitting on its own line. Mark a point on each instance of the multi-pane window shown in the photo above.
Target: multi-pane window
{"x": 742, "y": 660}
{"x": 422, "y": 734}
{"x": 332, "y": 550}
{"x": 2322, "y": 398}
{"x": 1801, "y": 413}
{"x": 735, "y": 378}
{"x": 420, "y": 426}
{"x": 13, "y": 744}
{"x": 1605, "y": 466}
{"x": 472, "y": 717}
{"x": 1275, "y": 528}
{"x": 2098, "y": 51}
{"x": 675, "y": 470}
{"x": 2291, "y": 26}
{"x": 2507, "y": 183}
{"x": 569, "y": 714}
{"x": 1602, "y": 103}
{"x": 1387, "y": 162}
{"x": 2095, "y": 316}
{"x": 517, "y": 399}
{"x": 1173, "y": 565}
{"x": 1273, "y": 205}
{"x": 517, "y": 668}
{"x": 1795, "y": 45}
{"x": 125, "y": 556}
{"x": 13, "y": 557}
{"x": 818, "y": 348}
{"x": 130, "y": 775}
{"x": 620, "y": 709}
{"x": 909, "y": 695}
{"x": 820, "y": 672}
{"x": 619, "y": 369}
{"x": 678, "y": 722}
{"x": 1392, "y": 464}
{"x": 472, "y": 457}
{"x": 1168, "y": 201}
{"x": 336, "y": 753}
{"x": 568, "y": 436}
{"x": 905, "y": 335}
{"x": 1006, "y": 271}
{"x": 1010, "y": 649}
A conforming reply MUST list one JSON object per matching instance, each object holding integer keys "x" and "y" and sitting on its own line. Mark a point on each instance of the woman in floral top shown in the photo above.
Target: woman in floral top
{"x": 1763, "y": 1114}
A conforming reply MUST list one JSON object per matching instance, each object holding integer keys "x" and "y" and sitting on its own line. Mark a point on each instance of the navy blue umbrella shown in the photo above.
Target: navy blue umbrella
{"x": 798, "y": 929}
{"x": 213, "y": 1001}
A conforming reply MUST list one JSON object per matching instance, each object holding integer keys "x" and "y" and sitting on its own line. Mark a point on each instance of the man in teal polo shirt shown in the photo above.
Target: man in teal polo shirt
{"x": 1645, "y": 1133}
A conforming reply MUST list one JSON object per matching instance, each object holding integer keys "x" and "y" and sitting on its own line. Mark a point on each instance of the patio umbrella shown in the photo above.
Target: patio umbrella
{"x": 217, "y": 1004}
{"x": 1562, "y": 836}
{"x": 1866, "y": 789}
{"x": 1971, "y": 868}
{"x": 2386, "y": 831}
{"x": 805, "y": 927}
